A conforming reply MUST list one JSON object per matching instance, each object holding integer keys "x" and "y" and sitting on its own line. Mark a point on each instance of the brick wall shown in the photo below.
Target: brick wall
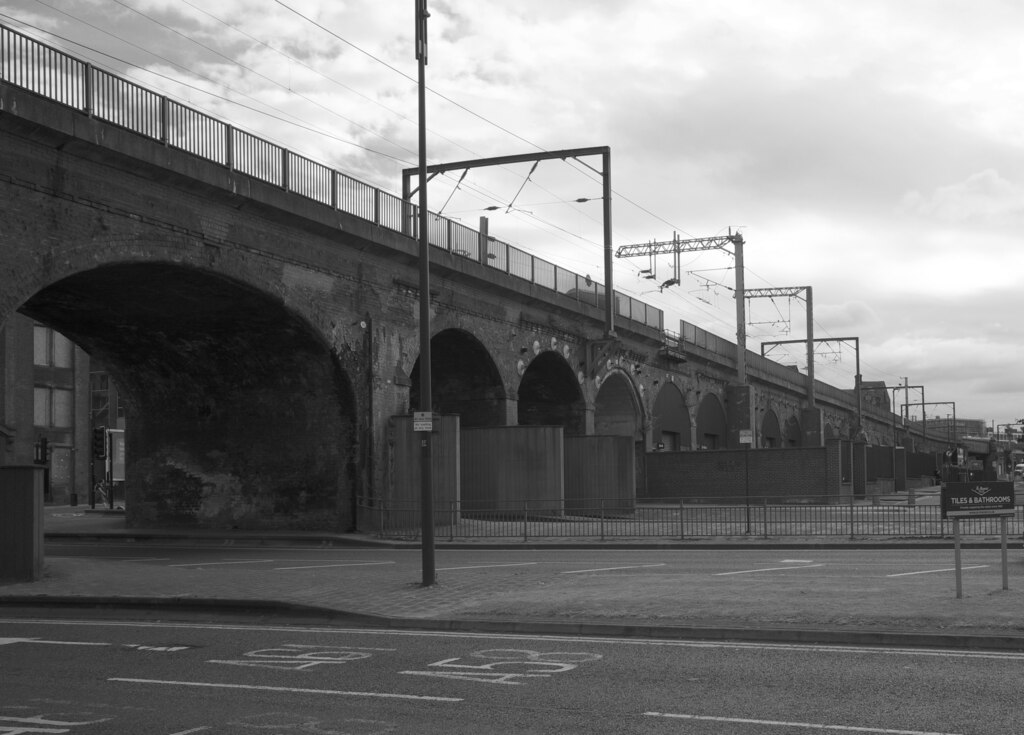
{"x": 733, "y": 475}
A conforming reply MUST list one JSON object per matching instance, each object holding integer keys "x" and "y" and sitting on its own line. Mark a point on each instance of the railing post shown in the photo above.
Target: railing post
{"x": 682, "y": 528}
{"x": 89, "y": 91}
{"x": 164, "y": 104}
{"x": 526, "y": 519}
{"x": 602, "y": 520}
{"x": 765, "y": 517}
{"x": 451, "y": 520}
{"x": 852, "y": 527}
{"x": 285, "y": 179}
{"x": 229, "y": 147}
{"x": 376, "y": 206}
{"x": 334, "y": 189}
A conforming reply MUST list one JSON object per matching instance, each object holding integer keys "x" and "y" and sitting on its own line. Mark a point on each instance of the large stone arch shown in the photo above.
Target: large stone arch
{"x": 670, "y": 419}
{"x": 712, "y": 430}
{"x": 617, "y": 408}
{"x": 771, "y": 433}
{"x": 240, "y": 412}
{"x": 549, "y": 395}
{"x": 464, "y": 380}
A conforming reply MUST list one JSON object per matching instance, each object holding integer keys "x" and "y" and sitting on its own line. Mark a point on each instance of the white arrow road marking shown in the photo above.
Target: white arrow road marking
{"x": 6, "y": 641}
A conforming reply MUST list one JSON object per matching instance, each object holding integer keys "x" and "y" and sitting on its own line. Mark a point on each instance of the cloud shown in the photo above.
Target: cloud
{"x": 983, "y": 198}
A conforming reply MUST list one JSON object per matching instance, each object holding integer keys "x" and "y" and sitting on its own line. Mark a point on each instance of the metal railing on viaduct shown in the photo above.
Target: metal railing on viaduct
{"x": 58, "y": 76}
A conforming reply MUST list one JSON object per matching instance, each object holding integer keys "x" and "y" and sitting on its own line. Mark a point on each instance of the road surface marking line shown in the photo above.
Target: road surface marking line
{"x": 194, "y": 729}
{"x": 5, "y": 641}
{"x": 808, "y": 725}
{"x": 611, "y": 569}
{"x": 935, "y": 571}
{"x": 328, "y": 566}
{"x": 489, "y": 566}
{"x": 289, "y": 690}
{"x": 769, "y": 569}
{"x": 218, "y": 563}
{"x": 797, "y": 561}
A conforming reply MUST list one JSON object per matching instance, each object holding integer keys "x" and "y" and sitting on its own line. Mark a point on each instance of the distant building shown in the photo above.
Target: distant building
{"x": 51, "y": 398}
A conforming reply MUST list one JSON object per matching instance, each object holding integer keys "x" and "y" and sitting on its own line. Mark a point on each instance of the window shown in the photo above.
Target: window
{"x": 54, "y": 408}
{"x": 51, "y": 349}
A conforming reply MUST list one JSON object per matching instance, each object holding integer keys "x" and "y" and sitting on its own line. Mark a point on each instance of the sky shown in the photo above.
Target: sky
{"x": 872, "y": 150}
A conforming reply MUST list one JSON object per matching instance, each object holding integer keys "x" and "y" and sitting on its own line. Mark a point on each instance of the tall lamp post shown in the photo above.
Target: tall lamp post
{"x": 426, "y": 399}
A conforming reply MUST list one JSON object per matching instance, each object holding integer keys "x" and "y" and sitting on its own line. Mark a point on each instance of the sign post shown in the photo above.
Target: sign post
{"x": 978, "y": 500}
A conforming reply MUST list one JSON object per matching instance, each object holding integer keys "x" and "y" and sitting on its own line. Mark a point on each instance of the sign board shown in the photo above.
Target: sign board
{"x": 746, "y": 436}
{"x": 977, "y": 499}
{"x": 422, "y": 421}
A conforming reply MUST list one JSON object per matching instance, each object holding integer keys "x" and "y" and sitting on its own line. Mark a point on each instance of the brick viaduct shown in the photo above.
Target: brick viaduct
{"x": 264, "y": 340}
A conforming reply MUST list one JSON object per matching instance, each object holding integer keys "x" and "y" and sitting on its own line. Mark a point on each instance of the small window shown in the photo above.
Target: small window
{"x": 63, "y": 408}
{"x": 63, "y": 351}
{"x": 41, "y": 412}
{"x": 41, "y": 346}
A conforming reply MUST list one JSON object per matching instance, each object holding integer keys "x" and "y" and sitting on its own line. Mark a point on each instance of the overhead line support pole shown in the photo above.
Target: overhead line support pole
{"x": 426, "y": 397}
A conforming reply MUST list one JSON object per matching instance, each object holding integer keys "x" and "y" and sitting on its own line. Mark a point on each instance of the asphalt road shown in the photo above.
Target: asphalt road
{"x": 178, "y": 678}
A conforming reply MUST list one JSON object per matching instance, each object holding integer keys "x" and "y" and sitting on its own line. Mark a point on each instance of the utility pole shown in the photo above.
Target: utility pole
{"x": 791, "y": 292}
{"x": 426, "y": 398}
{"x": 857, "y": 377}
{"x": 692, "y": 245}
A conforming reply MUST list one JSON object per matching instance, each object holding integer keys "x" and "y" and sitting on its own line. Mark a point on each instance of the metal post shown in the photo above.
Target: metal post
{"x": 682, "y": 532}
{"x": 609, "y": 287}
{"x": 741, "y": 314}
{"x": 1006, "y": 579}
{"x": 956, "y": 547}
{"x": 526, "y": 519}
{"x": 810, "y": 347}
{"x": 426, "y": 398}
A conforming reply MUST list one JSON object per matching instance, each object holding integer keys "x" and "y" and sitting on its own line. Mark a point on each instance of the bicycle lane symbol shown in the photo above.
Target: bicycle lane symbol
{"x": 510, "y": 666}
{"x": 300, "y": 657}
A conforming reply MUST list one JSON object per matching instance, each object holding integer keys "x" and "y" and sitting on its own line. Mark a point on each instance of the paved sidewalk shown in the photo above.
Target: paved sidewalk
{"x": 842, "y": 609}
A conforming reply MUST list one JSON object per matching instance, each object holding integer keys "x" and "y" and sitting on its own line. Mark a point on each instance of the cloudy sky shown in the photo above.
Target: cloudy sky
{"x": 872, "y": 149}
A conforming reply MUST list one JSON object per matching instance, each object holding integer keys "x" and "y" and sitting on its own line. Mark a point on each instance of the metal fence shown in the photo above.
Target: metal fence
{"x": 51, "y": 73}
{"x": 760, "y": 518}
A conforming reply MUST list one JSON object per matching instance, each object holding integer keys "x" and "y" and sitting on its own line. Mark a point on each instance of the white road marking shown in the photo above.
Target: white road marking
{"x": 796, "y": 561}
{"x": 768, "y": 569}
{"x": 611, "y": 569}
{"x": 289, "y": 690}
{"x": 5, "y": 641}
{"x": 489, "y": 566}
{"x": 218, "y": 563}
{"x": 935, "y": 571}
{"x": 807, "y": 725}
{"x": 340, "y": 564}
{"x": 138, "y": 558}
{"x": 194, "y": 729}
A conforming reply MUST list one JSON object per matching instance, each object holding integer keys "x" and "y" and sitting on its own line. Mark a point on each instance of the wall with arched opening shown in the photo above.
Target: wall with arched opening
{"x": 549, "y": 395}
{"x": 464, "y": 380}
{"x": 240, "y": 414}
{"x": 711, "y": 423}
{"x": 670, "y": 420}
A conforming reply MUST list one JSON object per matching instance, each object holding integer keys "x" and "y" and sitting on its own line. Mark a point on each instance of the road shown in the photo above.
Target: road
{"x": 178, "y": 678}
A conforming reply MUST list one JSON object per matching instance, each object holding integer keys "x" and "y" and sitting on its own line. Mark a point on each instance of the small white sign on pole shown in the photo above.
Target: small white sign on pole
{"x": 422, "y": 421}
